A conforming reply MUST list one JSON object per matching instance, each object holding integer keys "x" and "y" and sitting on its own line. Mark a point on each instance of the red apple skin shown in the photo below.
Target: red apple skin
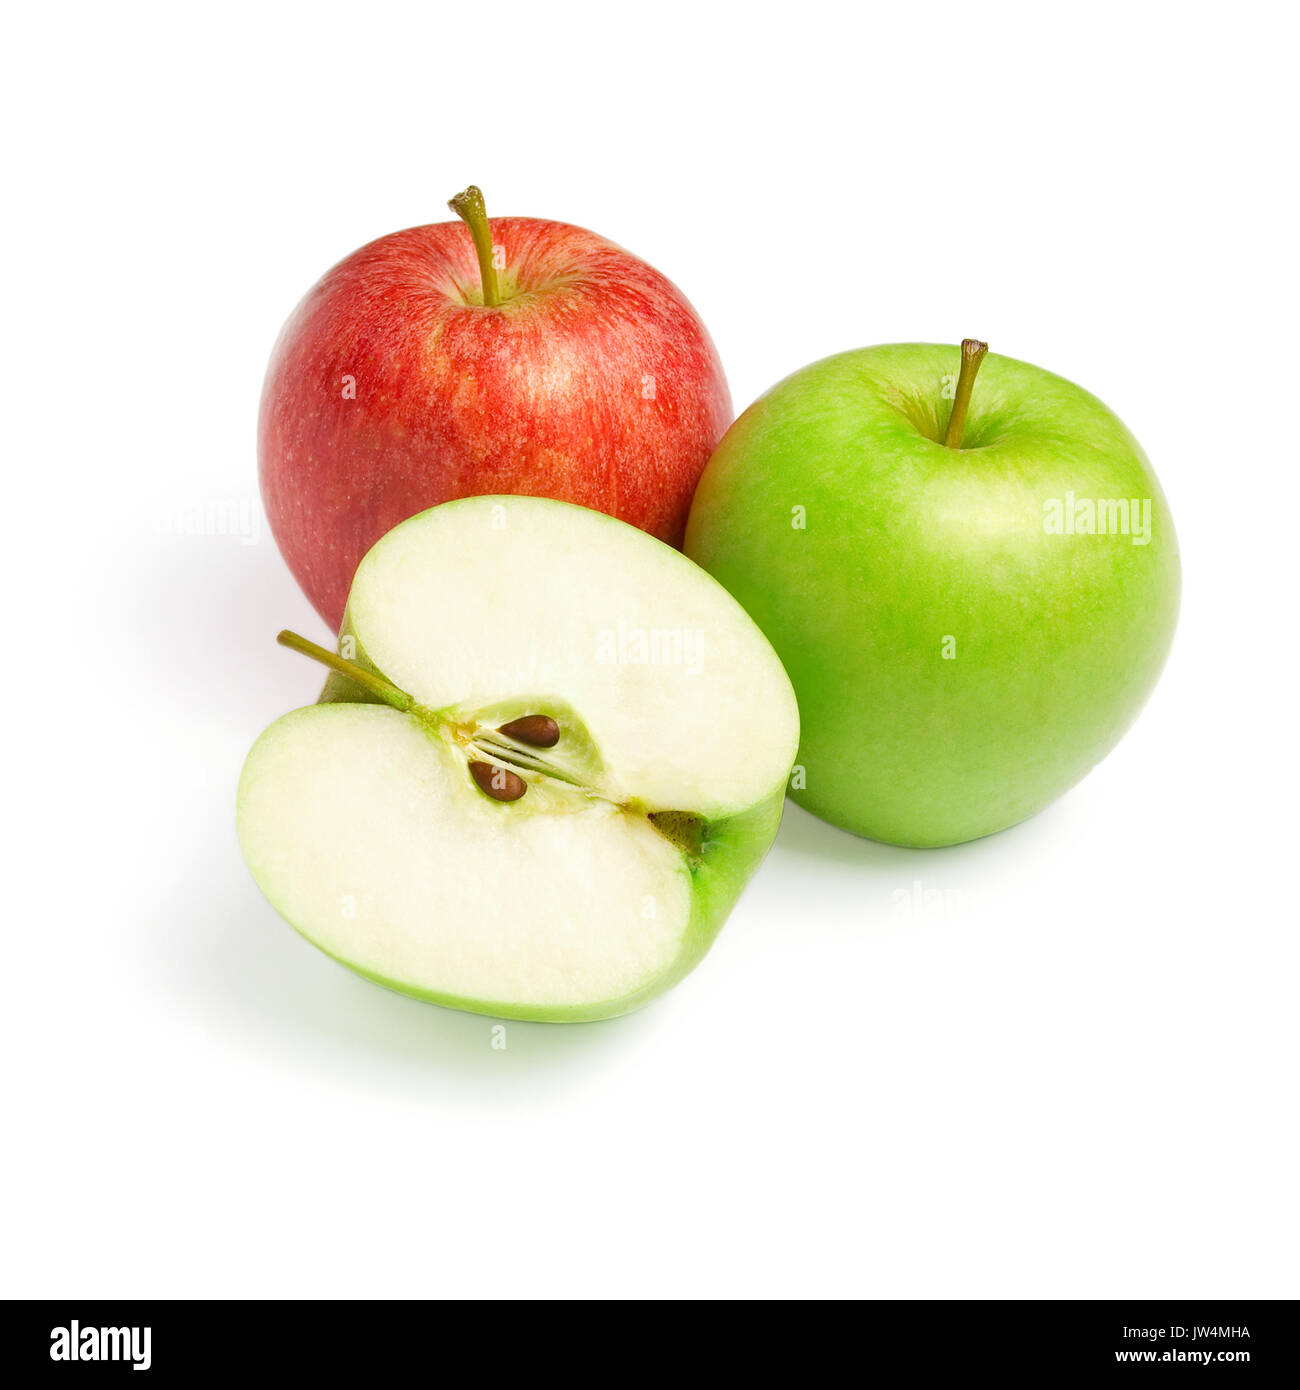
{"x": 392, "y": 388}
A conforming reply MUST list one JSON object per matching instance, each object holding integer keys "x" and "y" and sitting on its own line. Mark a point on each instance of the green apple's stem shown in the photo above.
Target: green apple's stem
{"x": 972, "y": 354}
{"x": 470, "y": 208}
{"x": 367, "y": 680}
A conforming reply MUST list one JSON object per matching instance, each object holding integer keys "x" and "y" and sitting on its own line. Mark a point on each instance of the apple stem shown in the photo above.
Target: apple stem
{"x": 972, "y": 354}
{"x": 471, "y": 210}
{"x": 367, "y": 680}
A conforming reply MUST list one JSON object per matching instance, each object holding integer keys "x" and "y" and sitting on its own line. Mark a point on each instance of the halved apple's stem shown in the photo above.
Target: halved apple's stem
{"x": 470, "y": 208}
{"x": 972, "y": 354}
{"x": 367, "y": 680}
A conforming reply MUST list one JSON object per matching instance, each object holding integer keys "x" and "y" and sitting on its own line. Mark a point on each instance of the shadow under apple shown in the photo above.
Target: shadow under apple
{"x": 235, "y": 963}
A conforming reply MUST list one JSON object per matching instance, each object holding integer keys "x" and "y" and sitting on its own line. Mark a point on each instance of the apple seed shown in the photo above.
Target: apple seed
{"x": 536, "y": 730}
{"x": 497, "y": 782}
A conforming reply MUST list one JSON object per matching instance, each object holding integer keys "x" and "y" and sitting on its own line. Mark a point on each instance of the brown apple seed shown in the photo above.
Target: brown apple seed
{"x": 497, "y": 782}
{"x": 536, "y": 730}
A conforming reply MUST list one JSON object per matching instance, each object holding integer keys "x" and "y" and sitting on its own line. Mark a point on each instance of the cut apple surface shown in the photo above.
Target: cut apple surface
{"x": 549, "y": 755}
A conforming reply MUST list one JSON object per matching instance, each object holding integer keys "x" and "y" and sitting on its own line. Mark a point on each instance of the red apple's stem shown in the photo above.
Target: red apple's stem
{"x": 972, "y": 354}
{"x": 367, "y": 680}
{"x": 471, "y": 210}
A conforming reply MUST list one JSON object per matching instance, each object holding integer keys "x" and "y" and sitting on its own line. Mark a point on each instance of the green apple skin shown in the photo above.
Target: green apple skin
{"x": 958, "y": 662}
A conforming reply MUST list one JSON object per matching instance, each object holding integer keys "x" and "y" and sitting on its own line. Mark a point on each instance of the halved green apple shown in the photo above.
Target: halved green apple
{"x": 550, "y": 754}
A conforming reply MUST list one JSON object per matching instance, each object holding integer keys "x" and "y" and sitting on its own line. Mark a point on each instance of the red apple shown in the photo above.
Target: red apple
{"x": 512, "y": 356}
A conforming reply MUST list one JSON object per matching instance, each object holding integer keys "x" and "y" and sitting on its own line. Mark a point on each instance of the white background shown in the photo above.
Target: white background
{"x": 1077, "y": 1076}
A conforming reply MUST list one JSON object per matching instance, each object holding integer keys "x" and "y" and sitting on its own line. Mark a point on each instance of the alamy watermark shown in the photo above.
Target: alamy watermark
{"x": 920, "y": 903}
{"x": 239, "y": 518}
{"x": 77, "y": 1343}
{"x": 629, "y": 645}
{"x": 1098, "y": 516}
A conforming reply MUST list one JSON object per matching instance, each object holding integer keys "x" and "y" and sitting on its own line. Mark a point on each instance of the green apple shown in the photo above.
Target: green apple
{"x": 550, "y": 754}
{"x": 973, "y": 585}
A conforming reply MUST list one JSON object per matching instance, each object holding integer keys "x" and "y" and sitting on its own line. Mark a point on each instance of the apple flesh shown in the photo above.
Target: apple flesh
{"x": 395, "y": 387}
{"x": 551, "y": 756}
{"x": 969, "y": 629}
